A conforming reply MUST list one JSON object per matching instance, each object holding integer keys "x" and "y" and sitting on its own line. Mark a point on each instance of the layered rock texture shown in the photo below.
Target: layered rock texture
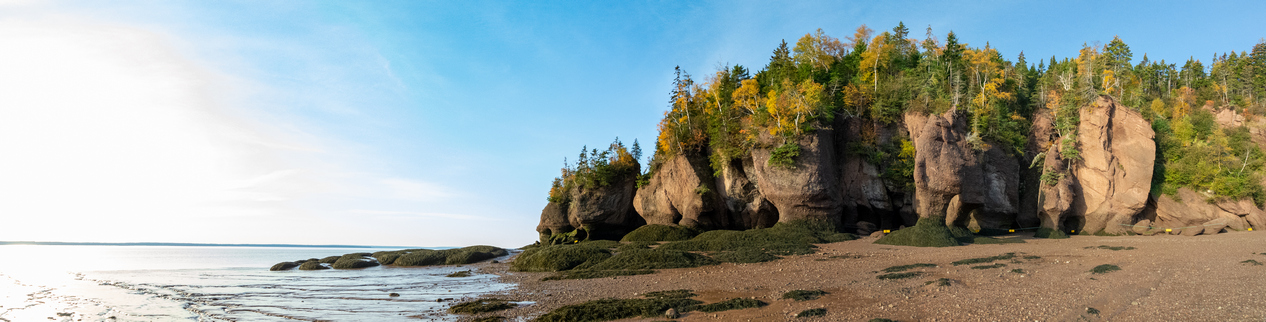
{"x": 971, "y": 183}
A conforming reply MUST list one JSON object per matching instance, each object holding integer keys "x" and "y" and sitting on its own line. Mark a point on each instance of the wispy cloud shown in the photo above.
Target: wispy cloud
{"x": 412, "y": 190}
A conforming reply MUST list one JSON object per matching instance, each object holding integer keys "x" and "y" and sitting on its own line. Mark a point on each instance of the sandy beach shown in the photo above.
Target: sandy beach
{"x": 1163, "y": 278}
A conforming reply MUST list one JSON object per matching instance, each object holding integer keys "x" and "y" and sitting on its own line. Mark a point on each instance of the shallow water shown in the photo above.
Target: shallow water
{"x": 174, "y": 283}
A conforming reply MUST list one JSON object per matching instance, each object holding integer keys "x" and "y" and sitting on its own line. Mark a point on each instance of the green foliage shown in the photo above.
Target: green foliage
{"x": 481, "y": 306}
{"x": 804, "y": 295}
{"x": 595, "y": 169}
{"x": 1204, "y": 157}
{"x": 785, "y": 155}
{"x": 1051, "y": 178}
{"x": 982, "y": 260}
{"x": 732, "y": 304}
{"x": 811, "y": 313}
{"x": 903, "y": 268}
{"x": 897, "y": 276}
{"x": 559, "y": 258}
{"x": 927, "y": 232}
{"x": 587, "y": 274}
{"x": 1105, "y": 268}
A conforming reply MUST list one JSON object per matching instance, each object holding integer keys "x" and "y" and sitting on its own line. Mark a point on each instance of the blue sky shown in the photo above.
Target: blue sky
{"x": 421, "y": 123}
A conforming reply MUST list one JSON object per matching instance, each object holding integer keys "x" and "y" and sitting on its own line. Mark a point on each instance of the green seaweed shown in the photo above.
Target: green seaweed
{"x": 811, "y": 312}
{"x": 927, "y": 232}
{"x": 1049, "y": 233}
{"x": 654, "y": 233}
{"x": 588, "y": 274}
{"x": 459, "y": 274}
{"x": 558, "y": 258}
{"x": 481, "y": 306}
{"x": 654, "y": 304}
{"x": 996, "y": 265}
{"x": 651, "y": 259}
{"x": 897, "y": 276}
{"x": 744, "y": 255}
{"x": 731, "y": 304}
{"x": 982, "y": 260}
{"x": 804, "y": 295}
{"x": 1105, "y": 268}
{"x": 903, "y": 268}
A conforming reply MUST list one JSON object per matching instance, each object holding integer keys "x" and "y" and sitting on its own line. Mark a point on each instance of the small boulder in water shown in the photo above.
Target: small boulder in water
{"x": 284, "y": 266}
{"x": 312, "y": 265}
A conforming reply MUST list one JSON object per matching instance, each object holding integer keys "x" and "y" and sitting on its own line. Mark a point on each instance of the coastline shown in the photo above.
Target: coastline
{"x": 1177, "y": 277}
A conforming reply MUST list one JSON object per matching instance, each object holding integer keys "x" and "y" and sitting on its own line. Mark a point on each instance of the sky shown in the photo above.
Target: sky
{"x": 416, "y": 123}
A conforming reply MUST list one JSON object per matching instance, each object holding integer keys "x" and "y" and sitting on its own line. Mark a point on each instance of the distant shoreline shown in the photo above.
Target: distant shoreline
{"x": 194, "y": 244}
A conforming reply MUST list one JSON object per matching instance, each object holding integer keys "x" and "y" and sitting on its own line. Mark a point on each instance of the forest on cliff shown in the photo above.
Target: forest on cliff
{"x": 829, "y": 129}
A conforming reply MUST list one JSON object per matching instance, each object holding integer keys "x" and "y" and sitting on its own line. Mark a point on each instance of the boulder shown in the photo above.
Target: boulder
{"x": 1215, "y": 226}
{"x": 1057, "y": 190}
{"x": 604, "y": 212}
{"x": 681, "y": 192}
{"x": 744, "y": 203}
{"x": 283, "y": 266}
{"x": 553, "y": 221}
{"x": 1192, "y": 230}
{"x": 809, "y": 188}
{"x": 1115, "y": 171}
{"x": 1227, "y": 117}
{"x": 1142, "y": 227}
{"x": 944, "y": 163}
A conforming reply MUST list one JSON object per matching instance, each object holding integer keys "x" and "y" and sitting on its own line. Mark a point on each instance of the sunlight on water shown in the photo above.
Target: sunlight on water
{"x": 155, "y": 283}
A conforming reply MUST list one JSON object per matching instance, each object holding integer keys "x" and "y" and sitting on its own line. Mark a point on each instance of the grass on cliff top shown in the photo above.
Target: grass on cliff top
{"x": 427, "y": 257}
{"x": 588, "y": 274}
{"x": 928, "y": 232}
{"x": 559, "y": 258}
{"x": 481, "y": 306}
{"x": 903, "y": 268}
{"x": 983, "y": 260}
{"x": 653, "y": 233}
{"x": 804, "y": 295}
{"x": 1105, "y": 268}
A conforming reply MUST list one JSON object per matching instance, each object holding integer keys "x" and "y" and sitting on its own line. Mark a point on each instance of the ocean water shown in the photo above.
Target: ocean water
{"x": 186, "y": 283}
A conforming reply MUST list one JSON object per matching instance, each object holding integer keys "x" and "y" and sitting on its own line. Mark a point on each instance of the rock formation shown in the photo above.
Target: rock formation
{"x": 806, "y": 190}
{"x": 681, "y": 192}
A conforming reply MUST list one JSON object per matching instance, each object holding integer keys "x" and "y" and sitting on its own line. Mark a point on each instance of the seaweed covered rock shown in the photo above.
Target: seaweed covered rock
{"x": 682, "y": 191}
{"x": 929, "y": 232}
{"x": 313, "y": 266}
{"x": 800, "y": 180}
{"x": 654, "y": 232}
{"x": 428, "y": 257}
{"x": 553, "y": 221}
{"x": 789, "y": 238}
{"x": 282, "y": 266}
{"x": 356, "y": 260}
{"x": 653, "y": 259}
{"x": 559, "y": 258}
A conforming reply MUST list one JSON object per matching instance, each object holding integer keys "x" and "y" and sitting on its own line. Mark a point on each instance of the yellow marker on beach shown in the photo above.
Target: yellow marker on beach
{"x": 1010, "y": 230}
{"x": 887, "y": 231}
{"x": 1250, "y": 229}
{"x": 1074, "y": 231}
{"x": 1168, "y": 230}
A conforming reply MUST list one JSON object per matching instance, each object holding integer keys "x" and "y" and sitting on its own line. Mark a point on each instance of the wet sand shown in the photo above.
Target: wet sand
{"x": 1165, "y": 278}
